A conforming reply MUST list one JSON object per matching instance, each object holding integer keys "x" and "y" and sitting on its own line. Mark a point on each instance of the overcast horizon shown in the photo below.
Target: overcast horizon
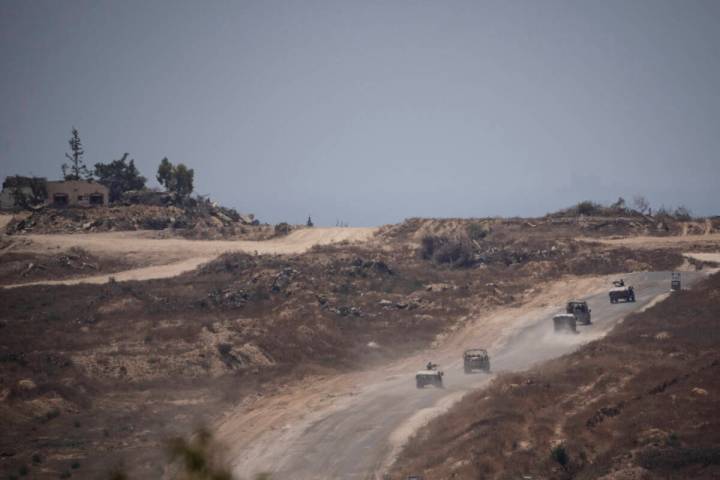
{"x": 372, "y": 112}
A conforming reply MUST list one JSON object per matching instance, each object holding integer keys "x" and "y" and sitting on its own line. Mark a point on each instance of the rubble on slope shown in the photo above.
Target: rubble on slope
{"x": 198, "y": 219}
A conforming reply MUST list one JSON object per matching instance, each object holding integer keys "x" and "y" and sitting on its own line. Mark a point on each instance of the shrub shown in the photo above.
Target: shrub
{"x": 477, "y": 231}
{"x": 677, "y": 457}
{"x": 588, "y": 208}
{"x": 282, "y": 229}
{"x": 560, "y": 455}
{"x": 455, "y": 251}
{"x": 428, "y": 243}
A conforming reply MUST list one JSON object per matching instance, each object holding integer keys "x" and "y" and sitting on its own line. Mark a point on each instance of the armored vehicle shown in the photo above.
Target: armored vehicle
{"x": 580, "y": 310}
{"x": 626, "y": 293}
{"x": 432, "y": 377}
{"x": 675, "y": 281}
{"x": 476, "y": 359}
{"x": 565, "y": 323}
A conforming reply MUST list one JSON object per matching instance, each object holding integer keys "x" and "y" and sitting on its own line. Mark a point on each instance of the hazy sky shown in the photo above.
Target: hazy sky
{"x": 372, "y": 112}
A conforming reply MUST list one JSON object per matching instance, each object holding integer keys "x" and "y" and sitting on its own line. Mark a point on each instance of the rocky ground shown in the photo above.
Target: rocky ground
{"x": 199, "y": 220}
{"x": 23, "y": 267}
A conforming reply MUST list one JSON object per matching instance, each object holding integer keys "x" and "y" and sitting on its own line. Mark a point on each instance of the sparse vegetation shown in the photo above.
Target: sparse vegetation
{"x": 456, "y": 251}
{"x": 177, "y": 179}
{"x": 199, "y": 458}
{"x": 282, "y": 229}
{"x": 119, "y": 176}
{"x": 76, "y": 170}
{"x": 560, "y": 456}
{"x": 477, "y": 231}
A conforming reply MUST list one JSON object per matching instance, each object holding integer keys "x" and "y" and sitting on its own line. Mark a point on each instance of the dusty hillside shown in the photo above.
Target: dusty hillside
{"x": 642, "y": 403}
{"x": 103, "y": 372}
{"x": 553, "y": 227}
{"x": 94, "y": 374}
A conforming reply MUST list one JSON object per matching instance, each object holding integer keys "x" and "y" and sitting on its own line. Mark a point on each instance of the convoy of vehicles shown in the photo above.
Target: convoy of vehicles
{"x": 576, "y": 313}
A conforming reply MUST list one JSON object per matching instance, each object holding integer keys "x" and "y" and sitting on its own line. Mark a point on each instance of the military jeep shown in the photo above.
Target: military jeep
{"x": 429, "y": 377}
{"x": 565, "y": 323}
{"x": 580, "y": 310}
{"x": 626, "y": 293}
{"x": 675, "y": 285}
{"x": 476, "y": 359}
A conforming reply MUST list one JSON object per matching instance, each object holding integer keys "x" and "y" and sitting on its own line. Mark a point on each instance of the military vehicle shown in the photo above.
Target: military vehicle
{"x": 675, "y": 282}
{"x": 580, "y": 310}
{"x": 626, "y": 293}
{"x": 565, "y": 323}
{"x": 476, "y": 359}
{"x": 430, "y": 376}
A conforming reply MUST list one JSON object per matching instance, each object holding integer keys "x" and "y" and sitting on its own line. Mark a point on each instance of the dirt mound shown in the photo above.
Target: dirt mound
{"x": 21, "y": 267}
{"x": 641, "y": 403}
{"x": 552, "y": 226}
{"x": 197, "y": 220}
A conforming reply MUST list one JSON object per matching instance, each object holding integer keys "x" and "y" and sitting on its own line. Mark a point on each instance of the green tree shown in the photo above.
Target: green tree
{"x": 119, "y": 176}
{"x": 19, "y": 187}
{"x": 76, "y": 170}
{"x": 175, "y": 178}
{"x": 165, "y": 174}
{"x": 184, "y": 178}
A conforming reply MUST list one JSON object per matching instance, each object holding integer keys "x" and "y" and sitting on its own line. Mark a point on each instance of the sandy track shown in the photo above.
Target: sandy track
{"x": 351, "y": 426}
{"x": 659, "y": 242}
{"x": 4, "y": 220}
{"x": 704, "y": 257}
{"x": 169, "y": 257}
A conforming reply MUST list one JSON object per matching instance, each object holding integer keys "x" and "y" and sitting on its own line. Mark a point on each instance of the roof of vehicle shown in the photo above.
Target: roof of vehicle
{"x": 620, "y": 289}
{"x": 476, "y": 351}
{"x": 564, "y": 315}
{"x": 433, "y": 373}
{"x": 577, "y": 301}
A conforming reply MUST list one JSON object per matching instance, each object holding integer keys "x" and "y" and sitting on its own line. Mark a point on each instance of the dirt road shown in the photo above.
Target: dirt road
{"x": 680, "y": 241}
{"x": 168, "y": 257}
{"x": 352, "y": 426}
